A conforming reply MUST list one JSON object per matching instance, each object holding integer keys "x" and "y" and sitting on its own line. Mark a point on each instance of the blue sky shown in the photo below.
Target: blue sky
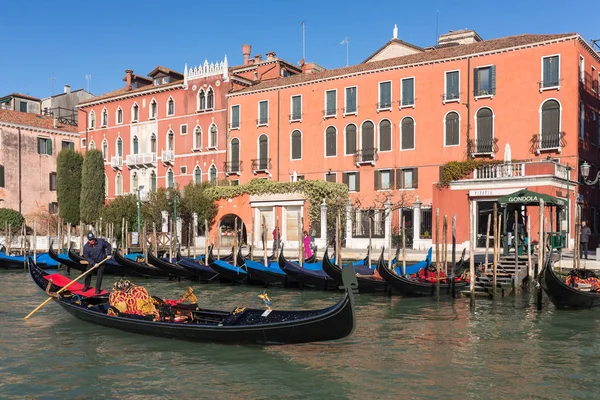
{"x": 102, "y": 39}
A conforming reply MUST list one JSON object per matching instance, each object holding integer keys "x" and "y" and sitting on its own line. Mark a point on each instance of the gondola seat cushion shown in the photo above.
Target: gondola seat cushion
{"x": 132, "y": 299}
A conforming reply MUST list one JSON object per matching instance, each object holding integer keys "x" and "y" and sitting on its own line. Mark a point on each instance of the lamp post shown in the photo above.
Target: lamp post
{"x": 585, "y": 173}
{"x": 139, "y": 206}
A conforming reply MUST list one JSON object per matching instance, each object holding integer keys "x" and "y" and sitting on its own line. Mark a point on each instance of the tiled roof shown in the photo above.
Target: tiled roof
{"x": 165, "y": 70}
{"x": 429, "y": 56}
{"x": 123, "y": 91}
{"x": 34, "y": 120}
{"x": 395, "y": 41}
{"x": 25, "y": 96}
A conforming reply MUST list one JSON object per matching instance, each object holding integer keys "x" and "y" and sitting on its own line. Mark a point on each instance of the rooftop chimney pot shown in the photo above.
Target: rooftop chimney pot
{"x": 246, "y": 48}
{"x": 128, "y": 79}
{"x": 257, "y": 58}
{"x": 270, "y": 55}
{"x": 67, "y": 89}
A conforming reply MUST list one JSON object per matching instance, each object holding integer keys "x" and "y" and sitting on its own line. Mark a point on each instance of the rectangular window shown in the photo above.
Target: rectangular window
{"x": 165, "y": 79}
{"x": 550, "y": 72}
{"x": 352, "y": 180}
{"x": 350, "y": 99}
{"x": 385, "y": 96}
{"x": 330, "y": 103}
{"x": 67, "y": 145}
{"x": 53, "y": 208}
{"x": 452, "y": 86}
{"x": 183, "y": 129}
{"x": 235, "y": 117}
{"x": 44, "y": 146}
{"x": 331, "y": 177}
{"x": 296, "y": 111}
{"x": 119, "y": 116}
{"x": 408, "y": 92}
{"x": 234, "y": 182}
{"x": 156, "y": 81}
{"x": 183, "y": 170}
{"x": 52, "y": 181}
{"x": 23, "y": 106}
{"x": 384, "y": 179}
{"x": 2, "y": 176}
{"x": 594, "y": 82}
{"x": 407, "y": 178}
{"x": 581, "y": 69}
{"x": 484, "y": 81}
{"x": 263, "y": 112}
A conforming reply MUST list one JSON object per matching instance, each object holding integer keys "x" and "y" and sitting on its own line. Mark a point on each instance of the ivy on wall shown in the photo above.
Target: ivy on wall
{"x": 457, "y": 170}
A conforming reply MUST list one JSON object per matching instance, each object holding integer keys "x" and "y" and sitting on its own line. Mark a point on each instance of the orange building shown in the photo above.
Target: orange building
{"x": 385, "y": 127}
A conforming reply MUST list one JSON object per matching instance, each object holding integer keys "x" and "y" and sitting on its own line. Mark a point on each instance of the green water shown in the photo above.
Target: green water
{"x": 402, "y": 348}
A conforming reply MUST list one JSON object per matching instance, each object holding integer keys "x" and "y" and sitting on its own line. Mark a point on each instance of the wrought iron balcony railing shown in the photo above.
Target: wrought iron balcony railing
{"x": 485, "y": 146}
{"x": 548, "y": 141}
{"x": 261, "y": 165}
{"x": 366, "y": 156}
{"x": 232, "y": 167}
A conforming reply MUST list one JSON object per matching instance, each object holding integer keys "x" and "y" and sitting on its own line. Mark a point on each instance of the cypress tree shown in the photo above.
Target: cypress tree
{"x": 93, "y": 186}
{"x": 68, "y": 184}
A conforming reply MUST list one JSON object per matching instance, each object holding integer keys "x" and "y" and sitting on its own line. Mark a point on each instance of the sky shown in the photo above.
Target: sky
{"x": 47, "y": 44}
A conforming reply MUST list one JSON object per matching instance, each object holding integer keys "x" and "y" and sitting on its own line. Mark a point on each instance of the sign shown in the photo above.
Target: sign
{"x": 135, "y": 238}
{"x": 491, "y": 192}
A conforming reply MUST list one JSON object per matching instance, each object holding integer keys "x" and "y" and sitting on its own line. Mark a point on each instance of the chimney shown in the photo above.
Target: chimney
{"x": 270, "y": 55}
{"x": 128, "y": 78}
{"x": 246, "y": 48}
{"x": 455, "y": 38}
{"x": 67, "y": 89}
{"x": 257, "y": 58}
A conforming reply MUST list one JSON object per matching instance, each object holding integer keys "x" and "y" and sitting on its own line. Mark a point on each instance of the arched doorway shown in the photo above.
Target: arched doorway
{"x": 227, "y": 230}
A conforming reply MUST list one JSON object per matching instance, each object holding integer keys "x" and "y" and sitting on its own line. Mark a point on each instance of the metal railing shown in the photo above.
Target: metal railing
{"x": 549, "y": 83}
{"x": 261, "y": 165}
{"x": 232, "y": 167}
{"x": 262, "y": 121}
{"x": 329, "y": 112}
{"x": 350, "y": 110}
{"x": 483, "y": 146}
{"x": 368, "y": 155}
{"x": 406, "y": 102}
{"x": 550, "y": 140}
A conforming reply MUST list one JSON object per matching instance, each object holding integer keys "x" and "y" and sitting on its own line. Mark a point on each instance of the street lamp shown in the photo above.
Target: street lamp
{"x": 585, "y": 172}
{"x": 140, "y": 187}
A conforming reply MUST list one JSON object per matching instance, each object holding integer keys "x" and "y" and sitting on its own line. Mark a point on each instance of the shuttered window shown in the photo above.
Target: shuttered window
{"x": 485, "y": 131}
{"x": 330, "y": 142}
{"x": 331, "y": 177}
{"x": 263, "y": 149}
{"x": 1, "y": 175}
{"x": 350, "y": 100}
{"x": 296, "y": 108}
{"x": 350, "y": 140}
{"x": 52, "y": 181}
{"x": 408, "y": 92}
{"x": 407, "y": 178}
{"x": 452, "y": 129}
{"x": 408, "y": 134}
{"x": 385, "y": 135}
{"x": 235, "y": 117}
{"x": 352, "y": 180}
{"x": 551, "y": 77}
{"x": 235, "y": 155}
{"x": 484, "y": 81}
{"x": 452, "y": 85}
{"x": 550, "y": 117}
{"x": 45, "y": 146}
{"x": 385, "y": 95}
{"x": 296, "y": 145}
{"x": 263, "y": 112}
{"x": 367, "y": 140}
{"x": 330, "y": 102}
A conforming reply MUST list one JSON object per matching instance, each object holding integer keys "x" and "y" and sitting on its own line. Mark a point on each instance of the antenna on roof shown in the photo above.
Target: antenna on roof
{"x": 595, "y": 43}
{"x": 347, "y": 43}
{"x": 303, "y": 42}
{"x": 88, "y": 78}
{"x": 437, "y": 20}
{"x": 52, "y": 83}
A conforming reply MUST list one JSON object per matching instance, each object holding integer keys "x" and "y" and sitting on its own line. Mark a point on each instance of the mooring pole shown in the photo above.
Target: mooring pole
{"x": 541, "y": 256}
{"x": 437, "y": 253}
{"x": 403, "y": 245}
{"x": 445, "y": 246}
{"x": 235, "y": 243}
{"x": 496, "y": 250}
{"x": 264, "y": 236}
{"x": 206, "y": 242}
{"x": 487, "y": 243}
{"x": 471, "y": 255}
{"x": 529, "y": 263}
{"x": 453, "y": 255}
{"x": 301, "y": 240}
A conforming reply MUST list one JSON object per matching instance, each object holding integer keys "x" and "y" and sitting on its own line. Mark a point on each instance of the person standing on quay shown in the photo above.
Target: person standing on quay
{"x": 584, "y": 238}
{"x": 276, "y": 240}
{"x": 94, "y": 251}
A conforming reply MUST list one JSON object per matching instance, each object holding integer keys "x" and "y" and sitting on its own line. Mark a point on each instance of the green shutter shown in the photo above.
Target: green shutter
{"x": 358, "y": 181}
{"x": 392, "y": 179}
{"x": 476, "y": 81}
{"x": 415, "y": 178}
{"x": 49, "y": 147}
{"x": 493, "y": 78}
{"x": 399, "y": 178}
{"x": 376, "y": 180}
{"x": 1, "y": 175}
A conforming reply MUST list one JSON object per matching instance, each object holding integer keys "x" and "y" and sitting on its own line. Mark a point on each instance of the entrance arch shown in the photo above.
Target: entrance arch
{"x": 227, "y": 230}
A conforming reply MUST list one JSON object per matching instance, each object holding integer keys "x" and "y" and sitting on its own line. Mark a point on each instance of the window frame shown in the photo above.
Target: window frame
{"x": 390, "y": 172}
{"x": 491, "y": 94}
{"x": 196, "y": 169}
{"x": 414, "y": 133}
{"x": 119, "y": 116}
{"x": 151, "y": 115}
{"x": 92, "y": 120}
{"x": 453, "y": 100}
{"x": 356, "y": 139}
{"x": 239, "y": 121}
{"x": 325, "y": 141}
{"x": 401, "y": 104}
{"x": 326, "y": 174}
{"x": 326, "y": 113}
{"x": 104, "y": 118}
{"x": 541, "y": 115}
{"x": 444, "y": 122}
{"x": 356, "y": 186}
{"x": 581, "y": 67}
{"x": 379, "y": 102}
{"x": 52, "y": 182}
{"x": 355, "y": 112}
{"x": 195, "y": 145}
{"x": 134, "y": 117}
{"x": 292, "y": 145}
{"x": 46, "y": 147}
{"x": 555, "y": 87}
{"x": 292, "y": 115}
{"x": 378, "y": 139}
{"x": 592, "y": 82}
{"x": 211, "y": 145}
{"x": 258, "y": 120}
{"x": 476, "y": 127}
{"x": 169, "y": 100}
{"x": 181, "y": 128}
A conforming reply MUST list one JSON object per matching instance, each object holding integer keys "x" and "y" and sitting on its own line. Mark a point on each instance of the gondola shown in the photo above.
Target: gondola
{"x": 242, "y": 325}
{"x": 206, "y": 273}
{"x": 137, "y": 268}
{"x": 367, "y": 283}
{"x": 170, "y": 268}
{"x": 310, "y": 274}
{"x": 563, "y": 295}
{"x": 226, "y": 270}
{"x": 211, "y": 257}
{"x": 17, "y": 262}
{"x": 407, "y": 286}
{"x": 112, "y": 267}
{"x": 65, "y": 260}
{"x": 266, "y": 275}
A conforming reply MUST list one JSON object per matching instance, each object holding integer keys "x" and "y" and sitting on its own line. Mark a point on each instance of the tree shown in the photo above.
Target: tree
{"x": 68, "y": 184}
{"x": 92, "y": 186}
{"x": 10, "y": 217}
{"x": 126, "y": 207}
{"x": 196, "y": 200}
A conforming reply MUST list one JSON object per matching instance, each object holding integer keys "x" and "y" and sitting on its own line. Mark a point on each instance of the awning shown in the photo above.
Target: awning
{"x": 529, "y": 198}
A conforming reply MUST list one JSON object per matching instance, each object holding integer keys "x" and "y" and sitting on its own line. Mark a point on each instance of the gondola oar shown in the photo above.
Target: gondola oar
{"x": 66, "y": 286}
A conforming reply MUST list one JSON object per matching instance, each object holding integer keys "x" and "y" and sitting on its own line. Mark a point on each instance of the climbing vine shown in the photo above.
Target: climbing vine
{"x": 457, "y": 170}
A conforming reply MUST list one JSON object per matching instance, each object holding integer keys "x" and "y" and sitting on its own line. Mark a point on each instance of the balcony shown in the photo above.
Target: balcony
{"x": 232, "y": 167}
{"x": 366, "y": 156}
{"x": 116, "y": 162}
{"x": 409, "y": 102}
{"x": 483, "y": 147}
{"x": 589, "y": 84}
{"x": 350, "y": 110}
{"x": 168, "y": 157}
{"x": 520, "y": 170}
{"x": 261, "y": 165}
{"x": 548, "y": 141}
{"x": 141, "y": 160}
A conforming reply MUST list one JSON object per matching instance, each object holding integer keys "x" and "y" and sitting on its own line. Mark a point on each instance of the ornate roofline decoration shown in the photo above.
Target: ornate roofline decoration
{"x": 206, "y": 70}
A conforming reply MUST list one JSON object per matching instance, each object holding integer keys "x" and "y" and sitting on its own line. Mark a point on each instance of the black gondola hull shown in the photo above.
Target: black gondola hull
{"x": 137, "y": 268}
{"x": 170, "y": 268}
{"x": 69, "y": 263}
{"x": 365, "y": 284}
{"x": 204, "y": 272}
{"x": 565, "y": 296}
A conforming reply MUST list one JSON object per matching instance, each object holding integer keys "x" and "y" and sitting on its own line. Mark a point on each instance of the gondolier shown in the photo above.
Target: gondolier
{"x": 94, "y": 251}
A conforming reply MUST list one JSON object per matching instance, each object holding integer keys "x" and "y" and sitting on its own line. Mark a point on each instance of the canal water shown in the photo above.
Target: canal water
{"x": 401, "y": 349}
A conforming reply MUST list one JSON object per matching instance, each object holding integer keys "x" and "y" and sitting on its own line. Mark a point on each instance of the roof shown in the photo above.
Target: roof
{"x": 25, "y": 96}
{"x": 266, "y": 61}
{"x": 123, "y": 91}
{"x": 34, "y": 120}
{"x": 429, "y": 56}
{"x": 163, "y": 70}
{"x": 393, "y": 41}
{"x": 63, "y": 94}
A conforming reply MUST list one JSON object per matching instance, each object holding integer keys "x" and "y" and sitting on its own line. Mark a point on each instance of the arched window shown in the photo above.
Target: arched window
{"x": 197, "y": 175}
{"x": 92, "y": 119}
{"x": 296, "y": 145}
{"x": 263, "y": 152}
{"x": 119, "y": 184}
{"x": 210, "y": 99}
{"x": 135, "y": 145}
{"x": 170, "y": 141}
{"x": 153, "y": 143}
{"x": 153, "y": 181}
{"x": 407, "y": 138}
{"x": 153, "y": 109}
{"x": 330, "y": 142}
{"x": 198, "y": 138}
{"x": 171, "y": 106}
{"x": 119, "y": 147}
{"x": 367, "y": 136}
{"x": 213, "y": 136}
{"x": 550, "y": 134}
{"x": 104, "y": 117}
{"x": 385, "y": 135}
{"x": 201, "y": 100}
{"x": 119, "y": 116}
{"x": 92, "y": 145}
{"x": 485, "y": 131}
{"x": 452, "y": 125}
{"x": 350, "y": 140}
{"x": 135, "y": 113}
{"x": 235, "y": 155}
{"x": 581, "y": 121}
{"x": 105, "y": 150}
{"x": 170, "y": 178}
{"x": 213, "y": 174}
{"x": 134, "y": 182}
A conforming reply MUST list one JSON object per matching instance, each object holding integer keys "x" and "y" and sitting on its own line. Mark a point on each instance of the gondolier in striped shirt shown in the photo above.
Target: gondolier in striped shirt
{"x": 94, "y": 251}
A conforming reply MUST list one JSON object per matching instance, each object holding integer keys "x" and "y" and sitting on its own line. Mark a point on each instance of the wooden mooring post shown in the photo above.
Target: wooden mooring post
{"x": 529, "y": 261}
{"x": 219, "y": 240}
{"x": 206, "y": 242}
{"x": 487, "y": 243}
{"x": 516, "y": 281}
{"x": 403, "y": 246}
{"x": 445, "y": 245}
{"x": 471, "y": 255}
{"x": 437, "y": 254}
{"x": 9, "y": 240}
{"x": 453, "y": 256}
{"x": 264, "y": 237}
{"x": 34, "y": 244}
{"x": 541, "y": 257}
{"x": 235, "y": 242}
{"x": 496, "y": 251}
{"x": 301, "y": 239}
